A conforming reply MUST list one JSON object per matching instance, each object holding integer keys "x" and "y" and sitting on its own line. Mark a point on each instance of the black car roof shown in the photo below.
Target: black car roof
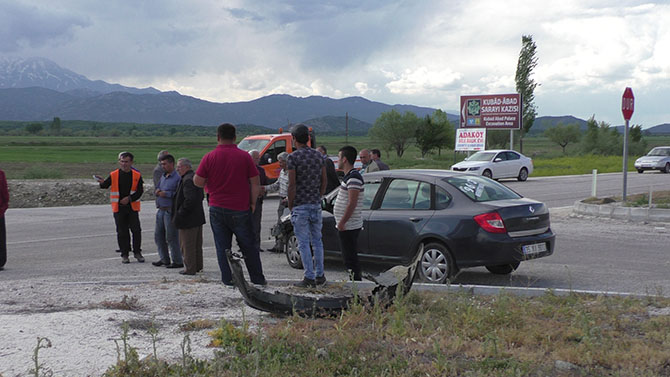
{"x": 416, "y": 173}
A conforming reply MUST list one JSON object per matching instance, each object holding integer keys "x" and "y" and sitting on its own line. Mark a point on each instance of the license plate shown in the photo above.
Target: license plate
{"x": 534, "y": 248}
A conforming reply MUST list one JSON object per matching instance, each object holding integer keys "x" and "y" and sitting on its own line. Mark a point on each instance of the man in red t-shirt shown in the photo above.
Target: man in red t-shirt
{"x": 230, "y": 177}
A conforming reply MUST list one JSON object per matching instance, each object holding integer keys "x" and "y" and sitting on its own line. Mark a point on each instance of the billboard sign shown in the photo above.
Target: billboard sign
{"x": 491, "y": 111}
{"x": 470, "y": 139}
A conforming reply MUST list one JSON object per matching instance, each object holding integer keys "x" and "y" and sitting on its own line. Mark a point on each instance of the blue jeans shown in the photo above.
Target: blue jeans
{"x": 166, "y": 235}
{"x": 226, "y": 222}
{"x": 307, "y": 222}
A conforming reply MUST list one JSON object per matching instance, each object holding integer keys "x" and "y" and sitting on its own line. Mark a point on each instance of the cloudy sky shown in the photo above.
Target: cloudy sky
{"x": 420, "y": 52}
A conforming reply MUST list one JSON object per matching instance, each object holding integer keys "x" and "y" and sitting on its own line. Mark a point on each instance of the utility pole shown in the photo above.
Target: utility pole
{"x": 346, "y": 128}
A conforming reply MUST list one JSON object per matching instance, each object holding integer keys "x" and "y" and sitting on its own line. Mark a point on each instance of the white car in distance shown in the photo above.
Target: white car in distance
{"x": 496, "y": 164}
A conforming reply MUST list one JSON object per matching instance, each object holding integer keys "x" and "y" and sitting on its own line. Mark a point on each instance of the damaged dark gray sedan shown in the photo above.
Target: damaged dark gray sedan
{"x": 462, "y": 220}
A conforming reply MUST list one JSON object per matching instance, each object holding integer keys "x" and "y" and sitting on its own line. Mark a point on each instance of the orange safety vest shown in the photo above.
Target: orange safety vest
{"x": 114, "y": 195}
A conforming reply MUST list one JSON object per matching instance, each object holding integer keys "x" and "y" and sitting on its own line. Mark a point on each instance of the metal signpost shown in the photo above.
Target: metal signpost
{"x": 627, "y": 107}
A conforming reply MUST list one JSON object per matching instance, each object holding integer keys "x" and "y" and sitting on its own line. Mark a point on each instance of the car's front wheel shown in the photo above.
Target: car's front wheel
{"x": 437, "y": 265}
{"x": 487, "y": 173}
{"x": 640, "y": 171}
{"x": 523, "y": 174}
{"x": 292, "y": 252}
{"x": 503, "y": 269}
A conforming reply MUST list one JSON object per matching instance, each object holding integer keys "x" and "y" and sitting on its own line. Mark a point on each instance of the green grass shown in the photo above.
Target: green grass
{"x": 78, "y": 157}
{"x": 438, "y": 334}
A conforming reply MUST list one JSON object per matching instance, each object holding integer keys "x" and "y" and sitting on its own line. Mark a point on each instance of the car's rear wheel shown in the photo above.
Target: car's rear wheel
{"x": 292, "y": 252}
{"x": 666, "y": 170}
{"x": 437, "y": 265}
{"x": 487, "y": 173}
{"x": 523, "y": 174}
{"x": 503, "y": 269}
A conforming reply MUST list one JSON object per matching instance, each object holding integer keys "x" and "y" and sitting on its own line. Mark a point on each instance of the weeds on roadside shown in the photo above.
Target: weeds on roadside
{"x": 39, "y": 369}
{"x": 432, "y": 334}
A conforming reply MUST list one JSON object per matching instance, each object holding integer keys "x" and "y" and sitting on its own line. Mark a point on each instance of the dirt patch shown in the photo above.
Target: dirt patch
{"x": 32, "y": 193}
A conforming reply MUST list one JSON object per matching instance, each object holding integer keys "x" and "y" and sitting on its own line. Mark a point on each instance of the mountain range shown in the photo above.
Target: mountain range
{"x": 38, "y": 89}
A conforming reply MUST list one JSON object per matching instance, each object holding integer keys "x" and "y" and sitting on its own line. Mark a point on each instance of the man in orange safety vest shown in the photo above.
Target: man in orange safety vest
{"x": 126, "y": 189}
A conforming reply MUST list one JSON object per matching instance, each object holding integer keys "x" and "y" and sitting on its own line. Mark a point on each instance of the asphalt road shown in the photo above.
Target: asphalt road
{"x": 76, "y": 244}
{"x": 565, "y": 190}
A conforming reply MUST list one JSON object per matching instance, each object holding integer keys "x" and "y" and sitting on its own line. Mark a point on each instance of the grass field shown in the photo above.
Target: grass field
{"x": 27, "y": 157}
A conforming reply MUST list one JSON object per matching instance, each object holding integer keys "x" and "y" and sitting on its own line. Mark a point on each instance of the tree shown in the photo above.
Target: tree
{"x": 635, "y": 133}
{"x": 563, "y": 134}
{"x": 54, "y": 127}
{"x": 434, "y": 131}
{"x": 525, "y": 85}
{"x": 447, "y": 136}
{"x": 34, "y": 128}
{"x": 395, "y": 130}
{"x": 602, "y": 139}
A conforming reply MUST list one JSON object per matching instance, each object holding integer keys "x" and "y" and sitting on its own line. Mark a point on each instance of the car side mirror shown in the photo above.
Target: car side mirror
{"x": 497, "y": 159}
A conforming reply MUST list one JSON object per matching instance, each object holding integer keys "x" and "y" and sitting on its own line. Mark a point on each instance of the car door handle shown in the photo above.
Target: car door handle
{"x": 415, "y": 219}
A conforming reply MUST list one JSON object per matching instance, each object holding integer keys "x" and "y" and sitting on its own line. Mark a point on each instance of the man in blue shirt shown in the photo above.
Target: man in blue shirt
{"x": 166, "y": 234}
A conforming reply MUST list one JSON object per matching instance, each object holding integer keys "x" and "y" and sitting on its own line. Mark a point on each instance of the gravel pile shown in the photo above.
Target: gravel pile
{"x": 33, "y": 193}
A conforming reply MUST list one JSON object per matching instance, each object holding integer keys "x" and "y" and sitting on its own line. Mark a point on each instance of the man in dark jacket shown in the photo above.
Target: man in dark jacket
{"x": 332, "y": 180}
{"x": 188, "y": 216}
{"x": 258, "y": 212}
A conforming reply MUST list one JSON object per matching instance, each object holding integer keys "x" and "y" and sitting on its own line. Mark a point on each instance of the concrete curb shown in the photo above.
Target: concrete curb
{"x": 638, "y": 214}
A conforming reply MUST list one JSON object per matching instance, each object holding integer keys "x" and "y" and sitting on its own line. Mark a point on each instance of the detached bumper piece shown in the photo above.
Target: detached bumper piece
{"x": 388, "y": 284}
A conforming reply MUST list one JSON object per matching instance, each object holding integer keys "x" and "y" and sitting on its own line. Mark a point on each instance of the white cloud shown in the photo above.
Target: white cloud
{"x": 422, "y": 80}
{"x": 426, "y": 53}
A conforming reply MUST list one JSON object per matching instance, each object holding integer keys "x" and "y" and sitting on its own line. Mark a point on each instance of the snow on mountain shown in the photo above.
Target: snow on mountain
{"x": 42, "y": 72}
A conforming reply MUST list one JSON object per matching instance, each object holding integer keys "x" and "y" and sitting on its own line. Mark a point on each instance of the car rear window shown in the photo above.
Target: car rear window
{"x": 481, "y": 189}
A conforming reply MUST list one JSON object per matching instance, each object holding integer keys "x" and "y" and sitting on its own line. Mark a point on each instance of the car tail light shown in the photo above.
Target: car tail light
{"x": 491, "y": 222}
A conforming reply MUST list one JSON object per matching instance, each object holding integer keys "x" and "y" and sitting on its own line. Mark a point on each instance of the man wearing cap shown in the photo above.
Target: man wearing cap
{"x": 231, "y": 179}
{"x": 126, "y": 189}
{"x": 280, "y": 185}
{"x": 307, "y": 184}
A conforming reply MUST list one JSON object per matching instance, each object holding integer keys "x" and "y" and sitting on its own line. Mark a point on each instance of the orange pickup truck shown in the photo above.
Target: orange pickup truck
{"x": 270, "y": 146}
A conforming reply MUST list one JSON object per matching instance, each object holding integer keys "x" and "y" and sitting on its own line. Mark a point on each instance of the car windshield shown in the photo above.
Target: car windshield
{"x": 482, "y": 156}
{"x": 659, "y": 152}
{"x": 251, "y": 144}
{"x": 481, "y": 189}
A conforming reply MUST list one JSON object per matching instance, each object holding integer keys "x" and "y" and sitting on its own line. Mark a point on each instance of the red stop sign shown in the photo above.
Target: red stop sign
{"x": 627, "y": 103}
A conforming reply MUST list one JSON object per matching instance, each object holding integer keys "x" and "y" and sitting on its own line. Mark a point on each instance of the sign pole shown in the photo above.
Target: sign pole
{"x": 625, "y": 160}
{"x": 627, "y": 108}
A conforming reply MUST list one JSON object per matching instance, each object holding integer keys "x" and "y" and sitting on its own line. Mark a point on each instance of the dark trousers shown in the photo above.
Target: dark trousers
{"x": 256, "y": 218}
{"x": 128, "y": 221}
{"x": 3, "y": 242}
{"x": 349, "y": 247}
{"x": 190, "y": 241}
{"x": 226, "y": 223}
{"x": 279, "y": 245}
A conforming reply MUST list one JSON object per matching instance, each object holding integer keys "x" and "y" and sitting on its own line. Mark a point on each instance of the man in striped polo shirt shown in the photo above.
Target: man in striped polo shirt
{"x": 347, "y": 211}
